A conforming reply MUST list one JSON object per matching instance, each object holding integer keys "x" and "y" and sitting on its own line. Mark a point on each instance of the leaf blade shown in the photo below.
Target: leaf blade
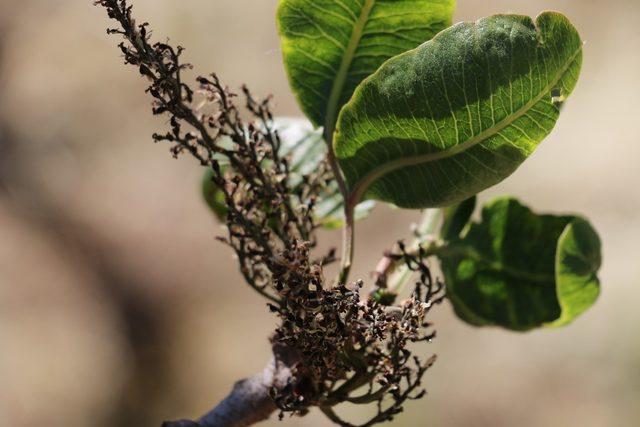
{"x": 442, "y": 122}
{"x": 329, "y": 46}
{"x": 520, "y": 270}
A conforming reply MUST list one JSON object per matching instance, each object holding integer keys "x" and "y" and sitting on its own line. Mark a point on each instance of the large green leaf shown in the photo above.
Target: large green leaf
{"x": 329, "y": 46}
{"x": 520, "y": 270}
{"x": 460, "y": 113}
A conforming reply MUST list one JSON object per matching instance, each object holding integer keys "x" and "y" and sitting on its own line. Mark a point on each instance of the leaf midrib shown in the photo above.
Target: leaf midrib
{"x": 362, "y": 185}
{"x": 345, "y": 65}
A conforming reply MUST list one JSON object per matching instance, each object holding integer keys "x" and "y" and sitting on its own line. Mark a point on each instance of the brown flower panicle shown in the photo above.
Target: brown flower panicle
{"x": 343, "y": 341}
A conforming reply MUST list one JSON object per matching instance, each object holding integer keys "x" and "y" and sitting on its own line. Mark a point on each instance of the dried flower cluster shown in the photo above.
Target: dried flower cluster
{"x": 347, "y": 343}
{"x": 267, "y": 218}
{"x": 342, "y": 341}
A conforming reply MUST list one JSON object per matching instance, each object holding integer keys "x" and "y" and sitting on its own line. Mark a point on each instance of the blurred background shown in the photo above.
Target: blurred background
{"x": 118, "y": 307}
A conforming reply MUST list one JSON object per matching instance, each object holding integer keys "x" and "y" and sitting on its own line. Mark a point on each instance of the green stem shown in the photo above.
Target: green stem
{"x": 333, "y": 163}
{"x": 349, "y": 210}
{"x": 348, "y": 240}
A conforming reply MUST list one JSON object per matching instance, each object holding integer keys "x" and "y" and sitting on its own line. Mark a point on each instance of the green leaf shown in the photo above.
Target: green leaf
{"x": 520, "y": 270}
{"x": 456, "y": 218}
{"x": 304, "y": 146}
{"x": 330, "y": 46}
{"x": 460, "y": 113}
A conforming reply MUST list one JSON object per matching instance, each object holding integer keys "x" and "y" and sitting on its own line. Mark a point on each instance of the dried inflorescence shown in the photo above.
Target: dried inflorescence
{"x": 267, "y": 217}
{"x": 347, "y": 342}
{"x": 342, "y": 340}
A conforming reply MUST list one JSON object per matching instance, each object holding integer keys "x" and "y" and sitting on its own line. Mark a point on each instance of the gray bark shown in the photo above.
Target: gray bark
{"x": 249, "y": 401}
